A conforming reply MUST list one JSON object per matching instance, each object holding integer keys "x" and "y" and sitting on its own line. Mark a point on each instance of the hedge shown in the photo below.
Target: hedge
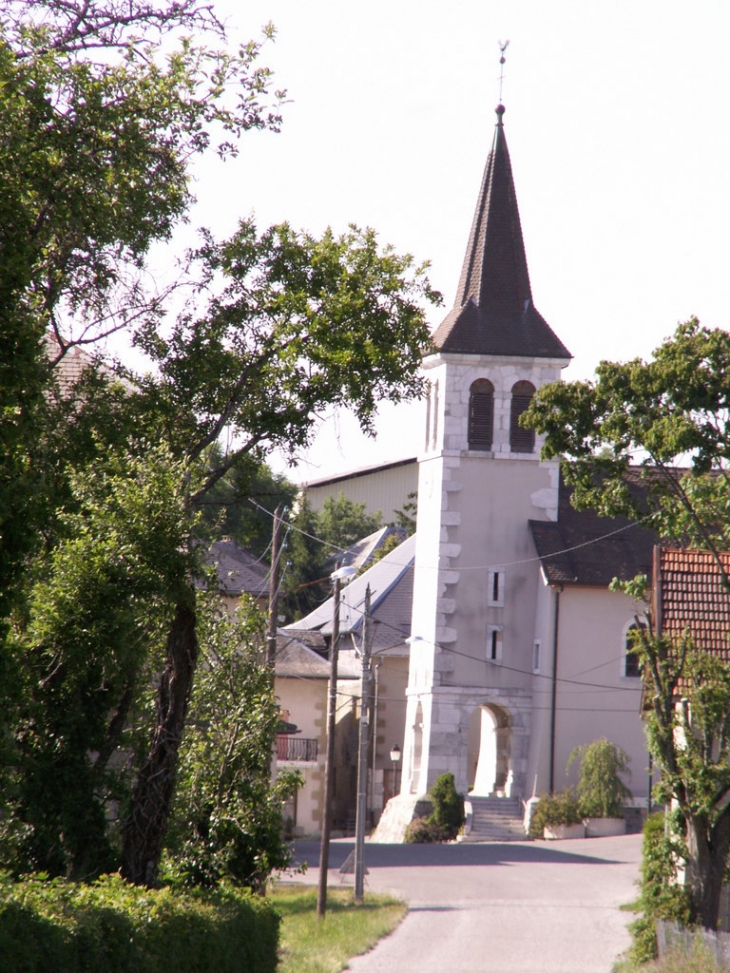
{"x": 54, "y": 926}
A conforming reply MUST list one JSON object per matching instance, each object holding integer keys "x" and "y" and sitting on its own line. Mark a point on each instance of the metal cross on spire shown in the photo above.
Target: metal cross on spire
{"x": 502, "y": 49}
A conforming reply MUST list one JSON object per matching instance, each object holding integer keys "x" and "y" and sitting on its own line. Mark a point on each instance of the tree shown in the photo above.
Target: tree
{"x": 99, "y": 125}
{"x": 621, "y": 439}
{"x": 98, "y": 130}
{"x": 286, "y": 325}
{"x": 227, "y": 815}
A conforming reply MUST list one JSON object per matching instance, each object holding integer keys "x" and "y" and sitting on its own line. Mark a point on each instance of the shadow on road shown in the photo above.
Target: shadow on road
{"x": 449, "y": 855}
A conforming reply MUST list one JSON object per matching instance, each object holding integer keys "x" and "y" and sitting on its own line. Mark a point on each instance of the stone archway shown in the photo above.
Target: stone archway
{"x": 489, "y": 750}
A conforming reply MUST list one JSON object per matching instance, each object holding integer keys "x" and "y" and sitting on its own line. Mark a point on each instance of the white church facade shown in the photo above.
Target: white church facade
{"x": 517, "y": 652}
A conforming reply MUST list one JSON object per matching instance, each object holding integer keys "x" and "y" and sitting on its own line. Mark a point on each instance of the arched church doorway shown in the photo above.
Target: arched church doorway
{"x": 488, "y": 750}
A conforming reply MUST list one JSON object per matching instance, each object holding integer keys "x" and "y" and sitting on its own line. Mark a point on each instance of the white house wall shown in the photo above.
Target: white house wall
{"x": 594, "y": 698}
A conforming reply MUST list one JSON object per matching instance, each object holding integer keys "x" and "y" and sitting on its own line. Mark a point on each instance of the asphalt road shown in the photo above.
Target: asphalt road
{"x": 520, "y": 907}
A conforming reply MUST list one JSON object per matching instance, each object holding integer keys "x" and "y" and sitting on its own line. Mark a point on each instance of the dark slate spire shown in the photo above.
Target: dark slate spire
{"x": 494, "y": 313}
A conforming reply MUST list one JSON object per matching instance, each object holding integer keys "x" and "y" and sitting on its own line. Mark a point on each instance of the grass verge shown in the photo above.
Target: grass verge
{"x": 309, "y": 945}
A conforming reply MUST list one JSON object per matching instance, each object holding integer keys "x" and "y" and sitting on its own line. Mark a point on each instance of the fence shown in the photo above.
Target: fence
{"x": 295, "y": 748}
{"x": 671, "y": 936}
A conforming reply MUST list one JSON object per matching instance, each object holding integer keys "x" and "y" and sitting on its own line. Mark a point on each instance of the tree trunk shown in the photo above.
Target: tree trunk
{"x": 145, "y": 827}
{"x": 708, "y": 849}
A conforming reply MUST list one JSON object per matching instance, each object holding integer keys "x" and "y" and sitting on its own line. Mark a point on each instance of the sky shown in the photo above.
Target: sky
{"x": 618, "y": 125}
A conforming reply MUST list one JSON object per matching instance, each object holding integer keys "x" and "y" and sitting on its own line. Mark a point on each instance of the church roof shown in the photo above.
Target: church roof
{"x": 583, "y": 548}
{"x": 493, "y": 313}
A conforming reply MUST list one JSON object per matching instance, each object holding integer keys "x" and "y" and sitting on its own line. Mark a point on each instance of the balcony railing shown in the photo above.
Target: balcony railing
{"x": 295, "y": 748}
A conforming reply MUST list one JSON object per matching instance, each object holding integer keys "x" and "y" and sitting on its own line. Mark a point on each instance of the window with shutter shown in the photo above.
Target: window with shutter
{"x": 481, "y": 414}
{"x": 521, "y": 440}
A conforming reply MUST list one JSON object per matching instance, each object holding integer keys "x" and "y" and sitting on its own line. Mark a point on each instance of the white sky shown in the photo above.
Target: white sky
{"x": 618, "y": 125}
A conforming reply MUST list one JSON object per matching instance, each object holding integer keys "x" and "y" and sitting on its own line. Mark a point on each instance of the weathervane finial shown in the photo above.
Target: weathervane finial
{"x": 502, "y": 49}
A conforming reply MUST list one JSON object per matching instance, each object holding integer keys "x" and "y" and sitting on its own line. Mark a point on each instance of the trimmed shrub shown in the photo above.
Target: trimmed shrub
{"x": 422, "y": 831}
{"x": 46, "y": 926}
{"x": 555, "y": 809}
{"x": 448, "y": 805}
{"x": 447, "y": 818}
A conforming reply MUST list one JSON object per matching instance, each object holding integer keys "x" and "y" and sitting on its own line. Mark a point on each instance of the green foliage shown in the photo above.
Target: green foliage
{"x": 227, "y": 814}
{"x": 115, "y": 927}
{"x": 425, "y": 831}
{"x": 555, "y": 809}
{"x": 448, "y": 805}
{"x": 313, "y": 545}
{"x": 669, "y": 416}
{"x": 601, "y": 791}
{"x": 660, "y": 896}
{"x": 101, "y": 113}
{"x": 669, "y": 410}
{"x": 80, "y": 657}
{"x": 447, "y": 817}
{"x": 342, "y": 522}
{"x": 242, "y": 502}
{"x": 407, "y": 515}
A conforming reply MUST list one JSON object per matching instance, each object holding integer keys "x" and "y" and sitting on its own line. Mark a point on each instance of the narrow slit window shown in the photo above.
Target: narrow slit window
{"x": 494, "y": 645}
{"x": 495, "y": 591}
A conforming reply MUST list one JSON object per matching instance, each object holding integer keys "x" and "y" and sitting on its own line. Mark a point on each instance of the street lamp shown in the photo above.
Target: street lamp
{"x": 395, "y": 760}
{"x": 337, "y": 577}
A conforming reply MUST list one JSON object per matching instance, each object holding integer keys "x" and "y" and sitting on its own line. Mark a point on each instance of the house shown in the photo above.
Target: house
{"x": 384, "y": 488}
{"x": 390, "y": 581}
{"x": 239, "y": 573}
{"x": 301, "y": 685}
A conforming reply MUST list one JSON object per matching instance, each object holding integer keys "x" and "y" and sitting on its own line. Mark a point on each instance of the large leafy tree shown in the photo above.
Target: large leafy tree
{"x": 651, "y": 440}
{"x": 99, "y": 122}
{"x": 286, "y": 325}
{"x": 98, "y": 128}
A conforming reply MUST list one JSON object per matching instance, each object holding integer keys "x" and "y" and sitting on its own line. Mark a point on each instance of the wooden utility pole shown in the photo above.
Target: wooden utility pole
{"x": 362, "y": 753}
{"x": 329, "y": 767}
{"x": 274, "y": 579}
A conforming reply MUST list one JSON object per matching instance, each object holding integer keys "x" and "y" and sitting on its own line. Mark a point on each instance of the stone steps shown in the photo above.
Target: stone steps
{"x": 495, "y": 819}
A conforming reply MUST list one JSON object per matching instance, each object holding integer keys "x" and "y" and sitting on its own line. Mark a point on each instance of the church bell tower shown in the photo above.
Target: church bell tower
{"x": 480, "y": 482}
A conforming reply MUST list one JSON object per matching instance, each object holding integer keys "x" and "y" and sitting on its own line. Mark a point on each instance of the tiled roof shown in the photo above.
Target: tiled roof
{"x": 689, "y": 594}
{"x": 493, "y": 313}
{"x": 583, "y": 548}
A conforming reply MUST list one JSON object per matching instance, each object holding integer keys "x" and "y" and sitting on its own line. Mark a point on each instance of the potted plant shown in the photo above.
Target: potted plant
{"x": 557, "y": 816}
{"x": 601, "y": 791}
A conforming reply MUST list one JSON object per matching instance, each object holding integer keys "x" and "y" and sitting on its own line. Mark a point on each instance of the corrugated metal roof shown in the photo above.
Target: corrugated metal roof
{"x": 391, "y": 597}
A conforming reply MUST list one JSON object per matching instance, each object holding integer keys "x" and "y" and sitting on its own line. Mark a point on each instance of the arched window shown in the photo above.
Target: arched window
{"x": 521, "y": 440}
{"x": 481, "y": 414}
{"x": 632, "y": 664}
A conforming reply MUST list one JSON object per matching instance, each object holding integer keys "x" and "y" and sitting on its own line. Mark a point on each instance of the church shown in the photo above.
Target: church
{"x": 517, "y": 650}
